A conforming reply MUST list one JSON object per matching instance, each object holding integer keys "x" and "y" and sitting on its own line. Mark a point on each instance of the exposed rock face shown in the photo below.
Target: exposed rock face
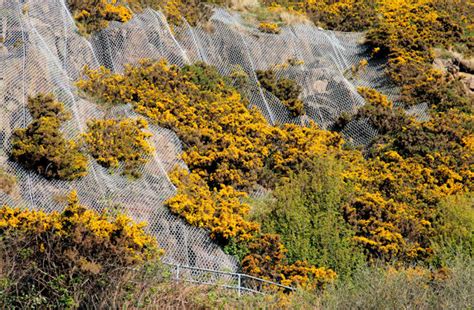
{"x": 458, "y": 66}
{"x": 445, "y": 65}
{"x": 468, "y": 80}
{"x": 466, "y": 68}
{"x": 320, "y": 86}
{"x": 466, "y": 65}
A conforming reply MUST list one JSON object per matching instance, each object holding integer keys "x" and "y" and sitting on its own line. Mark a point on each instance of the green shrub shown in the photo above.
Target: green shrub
{"x": 305, "y": 210}
{"x": 454, "y": 226}
{"x": 42, "y": 147}
{"x": 240, "y": 80}
{"x": 205, "y": 76}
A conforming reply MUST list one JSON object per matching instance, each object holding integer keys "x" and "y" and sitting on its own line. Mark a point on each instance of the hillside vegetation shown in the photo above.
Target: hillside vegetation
{"x": 372, "y": 226}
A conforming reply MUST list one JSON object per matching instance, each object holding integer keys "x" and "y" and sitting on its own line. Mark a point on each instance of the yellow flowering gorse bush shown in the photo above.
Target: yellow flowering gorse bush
{"x": 52, "y": 255}
{"x": 219, "y": 209}
{"x": 119, "y": 235}
{"x": 272, "y": 28}
{"x": 112, "y": 142}
{"x": 95, "y": 15}
{"x": 344, "y": 15}
{"x": 42, "y": 147}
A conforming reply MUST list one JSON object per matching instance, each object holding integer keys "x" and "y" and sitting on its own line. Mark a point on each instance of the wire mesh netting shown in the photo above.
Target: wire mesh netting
{"x": 43, "y": 53}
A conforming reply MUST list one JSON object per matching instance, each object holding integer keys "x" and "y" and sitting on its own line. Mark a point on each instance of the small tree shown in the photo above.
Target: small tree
{"x": 306, "y": 211}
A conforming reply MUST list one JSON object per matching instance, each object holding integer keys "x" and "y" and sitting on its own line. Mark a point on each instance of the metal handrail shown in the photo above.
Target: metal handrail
{"x": 239, "y": 276}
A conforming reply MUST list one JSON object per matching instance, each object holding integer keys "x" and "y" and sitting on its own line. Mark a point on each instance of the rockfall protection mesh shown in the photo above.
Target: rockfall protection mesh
{"x": 42, "y": 53}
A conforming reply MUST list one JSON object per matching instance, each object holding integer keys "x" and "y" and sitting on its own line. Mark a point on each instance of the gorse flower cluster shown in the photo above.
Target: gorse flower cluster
{"x": 223, "y": 140}
{"x": 55, "y": 254}
{"x": 380, "y": 113}
{"x": 353, "y": 15}
{"x": 42, "y": 147}
{"x": 95, "y": 15}
{"x": 343, "y": 15}
{"x": 272, "y": 28}
{"x": 112, "y": 141}
{"x": 218, "y": 209}
{"x": 410, "y": 168}
{"x": 284, "y": 89}
{"x": 99, "y": 231}
{"x": 426, "y": 24}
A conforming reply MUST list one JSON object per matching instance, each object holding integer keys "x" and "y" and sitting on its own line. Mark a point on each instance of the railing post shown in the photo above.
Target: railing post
{"x": 256, "y": 286}
{"x": 240, "y": 282}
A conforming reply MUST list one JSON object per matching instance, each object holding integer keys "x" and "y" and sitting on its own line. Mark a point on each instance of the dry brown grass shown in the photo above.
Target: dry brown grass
{"x": 244, "y": 5}
{"x": 8, "y": 183}
{"x": 253, "y": 15}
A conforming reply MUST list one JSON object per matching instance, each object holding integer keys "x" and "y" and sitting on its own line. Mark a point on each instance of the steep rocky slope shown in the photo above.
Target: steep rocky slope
{"x": 42, "y": 52}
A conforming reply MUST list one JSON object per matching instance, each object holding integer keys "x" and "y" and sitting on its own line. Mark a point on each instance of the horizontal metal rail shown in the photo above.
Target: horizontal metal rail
{"x": 239, "y": 278}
